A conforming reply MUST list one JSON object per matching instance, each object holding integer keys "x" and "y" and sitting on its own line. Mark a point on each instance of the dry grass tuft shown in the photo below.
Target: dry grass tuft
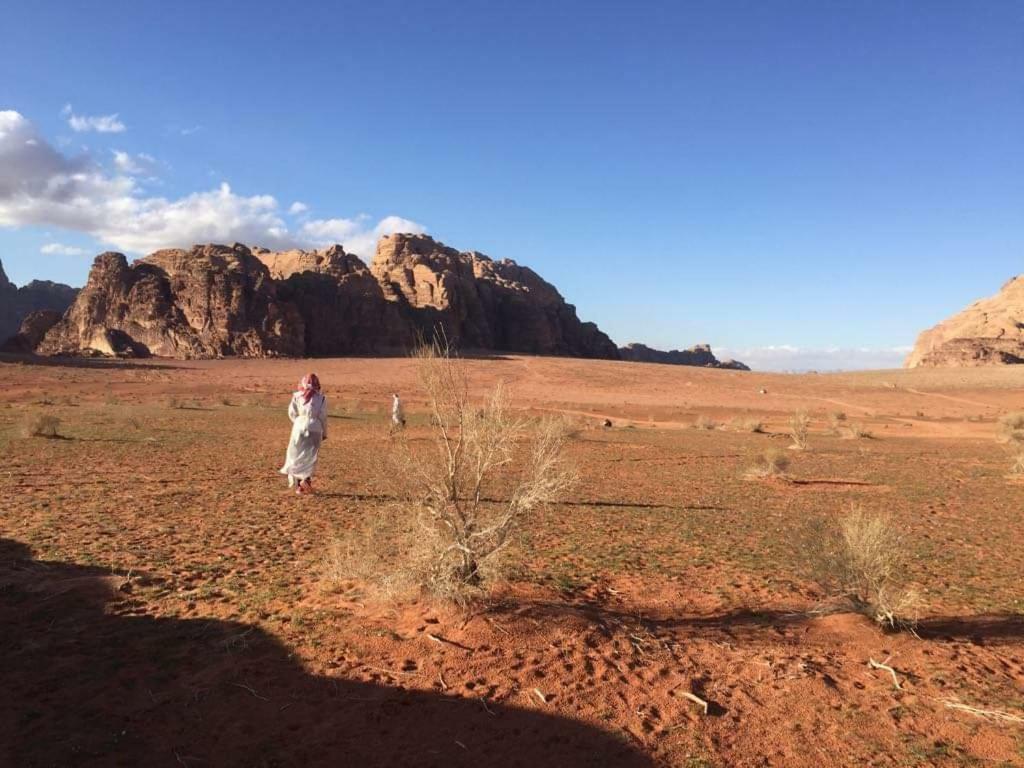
{"x": 857, "y": 431}
{"x": 1011, "y": 428}
{"x": 835, "y": 422}
{"x": 859, "y": 558}
{"x": 754, "y": 426}
{"x": 1017, "y": 461}
{"x": 703, "y": 422}
{"x": 799, "y": 424}
{"x": 464, "y": 494}
{"x": 41, "y": 425}
{"x": 769, "y": 463}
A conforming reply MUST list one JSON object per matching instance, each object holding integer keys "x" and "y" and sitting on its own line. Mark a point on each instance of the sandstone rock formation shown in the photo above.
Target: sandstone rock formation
{"x": 988, "y": 332}
{"x": 209, "y": 301}
{"x": 16, "y": 303}
{"x": 33, "y": 328}
{"x": 481, "y": 303}
{"x": 699, "y": 355}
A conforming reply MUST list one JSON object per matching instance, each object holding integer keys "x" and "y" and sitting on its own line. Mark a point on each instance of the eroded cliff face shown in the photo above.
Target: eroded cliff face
{"x": 208, "y": 301}
{"x": 17, "y": 303}
{"x": 481, "y": 303}
{"x": 988, "y": 332}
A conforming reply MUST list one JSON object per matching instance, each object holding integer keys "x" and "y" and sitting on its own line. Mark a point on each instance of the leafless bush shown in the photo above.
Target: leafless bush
{"x": 859, "y": 558}
{"x": 1011, "y": 427}
{"x": 483, "y": 471}
{"x": 769, "y": 463}
{"x": 799, "y": 423}
{"x": 41, "y": 425}
{"x": 175, "y": 403}
{"x": 703, "y": 422}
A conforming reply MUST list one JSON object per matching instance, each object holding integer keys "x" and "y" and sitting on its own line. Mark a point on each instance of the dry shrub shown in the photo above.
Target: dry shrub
{"x": 703, "y": 422}
{"x": 799, "y": 423}
{"x": 1011, "y": 427}
{"x": 769, "y": 463}
{"x": 859, "y": 558}
{"x": 175, "y": 403}
{"x": 483, "y": 469}
{"x": 755, "y": 426}
{"x": 41, "y": 425}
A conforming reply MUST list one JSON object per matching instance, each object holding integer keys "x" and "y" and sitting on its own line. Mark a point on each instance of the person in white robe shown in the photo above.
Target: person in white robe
{"x": 397, "y": 414}
{"x": 308, "y": 413}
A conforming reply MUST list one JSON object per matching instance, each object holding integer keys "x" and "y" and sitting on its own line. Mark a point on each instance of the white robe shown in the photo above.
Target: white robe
{"x": 309, "y": 428}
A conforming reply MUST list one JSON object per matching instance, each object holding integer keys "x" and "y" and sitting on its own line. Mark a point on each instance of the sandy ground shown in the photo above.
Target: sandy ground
{"x": 163, "y": 598}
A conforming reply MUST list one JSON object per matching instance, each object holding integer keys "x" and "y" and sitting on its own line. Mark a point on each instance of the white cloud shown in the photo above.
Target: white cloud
{"x": 98, "y": 123}
{"x": 297, "y": 207}
{"x": 139, "y": 165}
{"x": 355, "y": 235}
{"x": 189, "y": 131}
{"x": 41, "y": 186}
{"x": 787, "y": 357}
{"x": 59, "y": 249}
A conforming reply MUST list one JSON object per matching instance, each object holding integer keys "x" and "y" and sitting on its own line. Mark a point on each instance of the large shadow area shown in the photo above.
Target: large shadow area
{"x": 90, "y": 680}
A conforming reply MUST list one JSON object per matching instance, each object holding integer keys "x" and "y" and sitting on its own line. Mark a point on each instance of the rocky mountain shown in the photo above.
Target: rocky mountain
{"x": 208, "y": 301}
{"x": 219, "y": 301}
{"x": 481, "y": 303}
{"x": 988, "y": 332}
{"x": 699, "y": 355}
{"x": 16, "y": 303}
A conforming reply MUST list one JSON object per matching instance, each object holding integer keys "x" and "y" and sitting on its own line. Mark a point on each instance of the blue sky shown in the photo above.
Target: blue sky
{"x": 804, "y": 184}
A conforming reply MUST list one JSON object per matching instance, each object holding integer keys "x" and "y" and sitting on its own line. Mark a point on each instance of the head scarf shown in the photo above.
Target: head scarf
{"x": 309, "y": 386}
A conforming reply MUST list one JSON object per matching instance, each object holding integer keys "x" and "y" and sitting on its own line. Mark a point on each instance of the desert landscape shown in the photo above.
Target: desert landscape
{"x": 167, "y": 599}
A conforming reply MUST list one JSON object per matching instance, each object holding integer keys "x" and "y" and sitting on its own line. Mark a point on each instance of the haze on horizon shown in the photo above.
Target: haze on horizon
{"x": 800, "y": 185}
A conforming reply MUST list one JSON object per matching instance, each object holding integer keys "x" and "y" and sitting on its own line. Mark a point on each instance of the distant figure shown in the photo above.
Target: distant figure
{"x": 308, "y": 414}
{"x": 397, "y": 416}
{"x": 607, "y": 423}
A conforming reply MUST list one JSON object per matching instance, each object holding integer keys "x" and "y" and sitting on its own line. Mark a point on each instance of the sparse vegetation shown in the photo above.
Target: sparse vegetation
{"x": 752, "y": 425}
{"x": 703, "y": 422}
{"x": 769, "y": 463}
{"x": 835, "y": 422}
{"x": 859, "y": 558}
{"x": 41, "y": 425}
{"x": 1011, "y": 427}
{"x": 799, "y": 424}
{"x": 857, "y": 431}
{"x": 486, "y": 467}
{"x": 1017, "y": 461}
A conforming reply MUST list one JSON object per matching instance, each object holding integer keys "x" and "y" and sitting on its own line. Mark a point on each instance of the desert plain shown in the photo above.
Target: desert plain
{"x": 165, "y": 600}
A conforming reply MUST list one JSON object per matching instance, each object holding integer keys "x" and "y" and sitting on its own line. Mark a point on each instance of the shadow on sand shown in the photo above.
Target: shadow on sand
{"x": 90, "y": 680}
{"x": 61, "y": 361}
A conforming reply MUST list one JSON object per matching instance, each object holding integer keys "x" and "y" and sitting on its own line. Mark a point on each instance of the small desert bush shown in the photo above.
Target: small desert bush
{"x": 860, "y": 558}
{"x": 799, "y": 424}
{"x": 1017, "y": 461}
{"x": 467, "y": 491}
{"x": 1011, "y": 427}
{"x": 769, "y": 463}
{"x": 703, "y": 422}
{"x": 747, "y": 425}
{"x": 175, "y": 402}
{"x": 41, "y": 425}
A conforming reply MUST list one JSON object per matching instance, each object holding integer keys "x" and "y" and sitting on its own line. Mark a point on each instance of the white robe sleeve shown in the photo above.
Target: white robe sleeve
{"x": 323, "y": 415}
{"x": 293, "y": 410}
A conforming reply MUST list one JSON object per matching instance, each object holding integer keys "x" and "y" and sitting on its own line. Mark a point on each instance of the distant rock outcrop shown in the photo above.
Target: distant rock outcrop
{"x": 16, "y": 303}
{"x": 988, "y": 332}
{"x": 209, "y": 301}
{"x": 699, "y": 355}
{"x": 481, "y": 303}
